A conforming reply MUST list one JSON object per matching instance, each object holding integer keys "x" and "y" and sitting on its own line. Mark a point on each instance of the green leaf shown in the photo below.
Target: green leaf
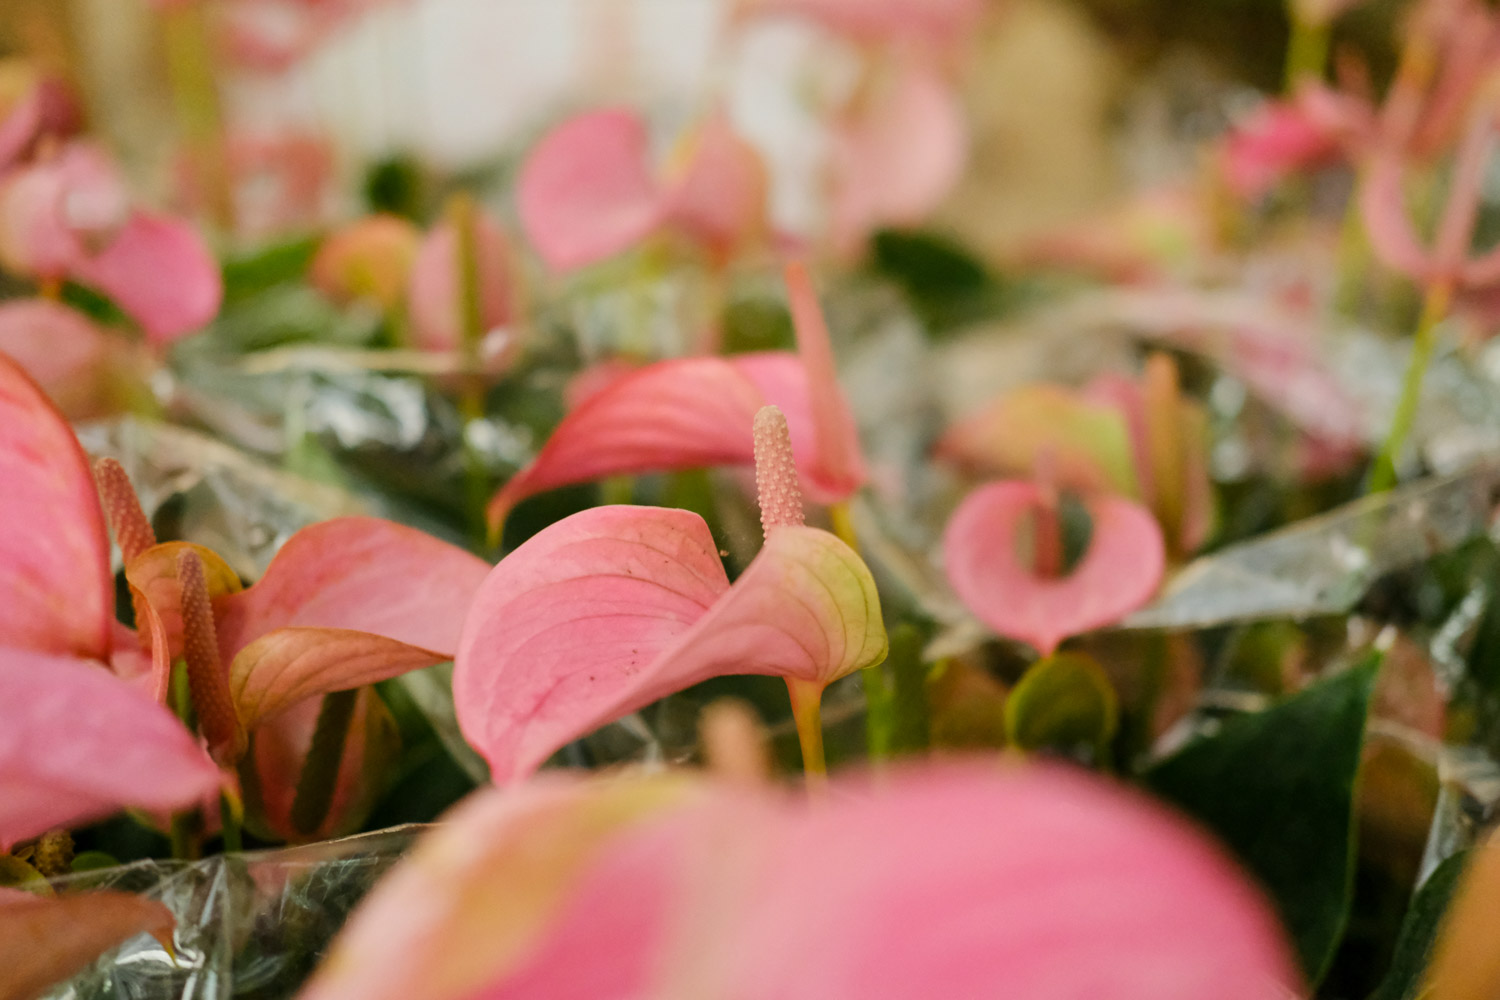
{"x": 17, "y": 874}
{"x": 1064, "y": 702}
{"x": 93, "y": 861}
{"x": 1419, "y": 932}
{"x": 1278, "y": 787}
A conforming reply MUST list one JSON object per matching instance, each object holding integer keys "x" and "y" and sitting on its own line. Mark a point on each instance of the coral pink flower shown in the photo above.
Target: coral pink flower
{"x": 1118, "y": 573}
{"x": 71, "y": 217}
{"x": 75, "y": 742}
{"x": 904, "y": 887}
{"x": 615, "y": 607}
{"x": 696, "y": 412}
{"x": 589, "y": 190}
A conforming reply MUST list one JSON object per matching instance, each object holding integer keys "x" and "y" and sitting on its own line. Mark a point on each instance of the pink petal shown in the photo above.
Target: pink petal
{"x": 683, "y": 414}
{"x": 358, "y": 573}
{"x": 45, "y": 940}
{"x": 61, "y": 348}
{"x": 1279, "y": 139}
{"x": 159, "y": 271}
{"x": 564, "y": 632}
{"x": 1382, "y": 202}
{"x": 507, "y": 896}
{"x": 289, "y": 665}
{"x": 54, "y": 550}
{"x": 34, "y": 237}
{"x": 839, "y": 466}
{"x": 615, "y": 607}
{"x": 1034, "y": 882}
{"x": 1023, "y": 881}
{"x": 77, "y": 744}
{"x": 587, "y": 191}
{"x": 720, "y": 198}
{"x": 434, "y": 288}
{"x": 896, "y": 163}
{"x": 1119, "y": 573}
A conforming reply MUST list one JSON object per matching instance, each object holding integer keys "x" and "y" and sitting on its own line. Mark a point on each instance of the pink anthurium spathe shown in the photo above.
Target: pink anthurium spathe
{"x": 935, "y": 22}
{"x": 895, "y": 154}
{"x": 615, "y": 607}
{"x": 668, "y": 887}
{"x": 589, "y": 189}
{"x": 81, "y": 366}
{"x": 1118, "y": 573}
{"x": 695, "y": 412}
{"x": 78, "y": 743}
{"x": 70, "y": 217}
{"x": 1277, "y": 140}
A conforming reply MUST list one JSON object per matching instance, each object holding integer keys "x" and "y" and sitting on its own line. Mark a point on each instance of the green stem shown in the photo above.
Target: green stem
{"x": 843, "y": 524}
{"x": 231, "y": 822}
{"x": 1434, "y": 308}
{"x": 807, "y": 709}
{"x": 195, "y": 98}
{"x": 1306, "y": 51}
{"x": 462, "y": 213}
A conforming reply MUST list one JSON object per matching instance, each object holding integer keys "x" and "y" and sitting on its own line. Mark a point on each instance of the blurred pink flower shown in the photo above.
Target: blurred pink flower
{"x": 434, "y": 290}
{"x": 690, "y": 413}
{"x": 1277, "y": 140}
{"x": 370, "y": 258}
{"x": 939, "y": 23}
{"x": 589, "y": 190}
{"x": 960, "y": 879}
{"x": 70, "y": 216}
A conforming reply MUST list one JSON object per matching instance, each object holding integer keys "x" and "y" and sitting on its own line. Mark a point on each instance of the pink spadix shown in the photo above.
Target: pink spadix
{"x": 615, "y": 607}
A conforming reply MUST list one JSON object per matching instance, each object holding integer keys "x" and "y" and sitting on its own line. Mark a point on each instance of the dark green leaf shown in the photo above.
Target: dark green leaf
{"x": 1064, "y": 702}
{"x": 1278, "y": 787}
{"x": 1419, "y": 932}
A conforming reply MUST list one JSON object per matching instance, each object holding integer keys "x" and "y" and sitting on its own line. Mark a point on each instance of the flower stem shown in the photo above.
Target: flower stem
{"x": 1434, "y": 308}
{"x": 807, "y": 702}
{"x": 462, "y": 214}
{"x": 843, "y": 524}
{"x": 1306, "y": 51}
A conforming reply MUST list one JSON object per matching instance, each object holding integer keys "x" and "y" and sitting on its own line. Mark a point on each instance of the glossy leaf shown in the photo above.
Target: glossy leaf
{"x": 54, "y": 551}
{"x": 1062, "y": 702}
{"x": 1118, "y": 573}
{"x": 1278, "y": 787}
{"x": 1419, "y": 932}
{"x": 45, "y": 941}
{"x": 77, "y": 744}
{"x": 615, "y": 607}
{"x": 586, "y": 191}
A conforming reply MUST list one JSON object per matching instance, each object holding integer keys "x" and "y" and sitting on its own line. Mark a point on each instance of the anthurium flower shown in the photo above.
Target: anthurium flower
{"x": 665, "y": 887}
{"x": 615, "y": 607}
{"x": 896, "y": 152}
{"x": 1277, "y": 140}
{"x": 589, "y": 189}
{"x": 1043, "y": 604}
{"x": 70, "y": 217}
{"x": 33, "y": 104}
{"x": 46, "y": 939}
{"x": 1138, "y": 438}
{"x": 695, "y": 412}
{"x": 370, "y": 258}
{"x": 82, "y": 367}
{"x": 78, "y": 743}
{"x": 434, "y": 292}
